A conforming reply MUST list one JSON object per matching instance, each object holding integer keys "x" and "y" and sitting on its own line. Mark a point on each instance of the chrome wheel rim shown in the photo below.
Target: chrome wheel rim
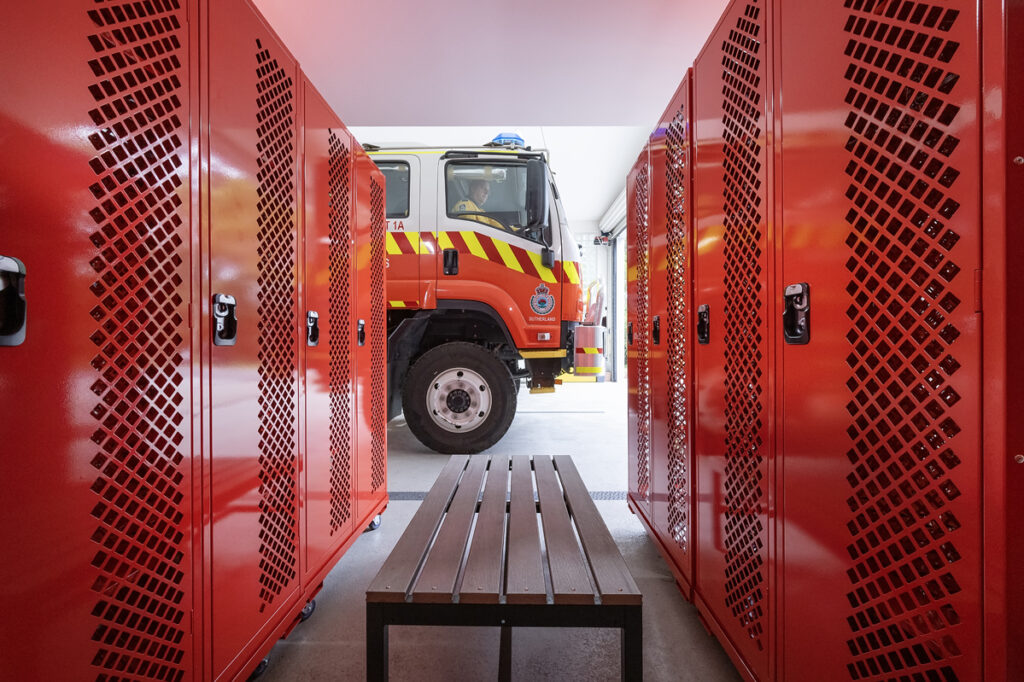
{"x": 459, "y": 400}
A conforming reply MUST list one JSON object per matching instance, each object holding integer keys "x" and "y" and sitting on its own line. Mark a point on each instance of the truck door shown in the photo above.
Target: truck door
{"x": 411, "y": 270}
{"x": 488, "y": 255}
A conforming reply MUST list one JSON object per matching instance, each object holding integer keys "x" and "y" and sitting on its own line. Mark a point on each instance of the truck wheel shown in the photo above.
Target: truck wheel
{"x": 458, "y": 398}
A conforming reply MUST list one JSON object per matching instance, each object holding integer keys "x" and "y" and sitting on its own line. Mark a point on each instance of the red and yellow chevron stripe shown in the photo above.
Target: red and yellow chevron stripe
{"x": 486, "y": 248}
{"x": 403, "y": 304}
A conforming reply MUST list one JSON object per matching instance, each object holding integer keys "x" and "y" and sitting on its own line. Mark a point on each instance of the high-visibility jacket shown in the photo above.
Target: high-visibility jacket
{"x": 469, "y": 206}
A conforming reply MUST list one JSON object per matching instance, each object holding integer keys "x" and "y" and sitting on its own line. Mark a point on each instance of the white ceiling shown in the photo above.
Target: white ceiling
{"x": 587, "y": 79}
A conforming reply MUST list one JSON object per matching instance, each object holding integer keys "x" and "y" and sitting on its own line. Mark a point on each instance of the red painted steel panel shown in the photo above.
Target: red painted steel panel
{"x": 671, "y": 296}
{"x": 734, "y": 404}
{"x": 96, "y": 400}
{"x": 330, "y": 365}
{"x": 371, "y": 354}
{"x": 638, "y": 321}
{"x": 882, "y": 434}
{"x": 254, "y": 551}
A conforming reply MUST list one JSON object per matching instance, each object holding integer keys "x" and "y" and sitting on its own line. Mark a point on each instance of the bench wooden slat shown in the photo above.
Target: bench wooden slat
{"x": 570, "y": 579}
{"x": 524, "y": 576}
{"x": 436, "y": 582}
{"x": 396, "y": 575}
{"x": 481, "y": 581}
{"x": 614, "y": 581}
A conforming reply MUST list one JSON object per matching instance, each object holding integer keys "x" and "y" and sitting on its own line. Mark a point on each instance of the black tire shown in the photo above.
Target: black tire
{"x": 484, "y": 409}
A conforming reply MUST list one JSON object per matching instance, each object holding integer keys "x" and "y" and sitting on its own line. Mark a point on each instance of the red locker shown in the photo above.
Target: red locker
{"x": 371, "y": 353}
{"x": 853, "y": 439}
{"x": 733, "y": 389}
{"x": 188, "y": 428}
{"x": 638, "y": 188}
{"x": 883, "y": 544}
{"x": 671, "y": 257}
{"x": 97, "y": 400}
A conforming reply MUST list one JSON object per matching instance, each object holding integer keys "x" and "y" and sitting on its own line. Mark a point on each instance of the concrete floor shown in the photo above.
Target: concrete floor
{"x": 587, "y": 421}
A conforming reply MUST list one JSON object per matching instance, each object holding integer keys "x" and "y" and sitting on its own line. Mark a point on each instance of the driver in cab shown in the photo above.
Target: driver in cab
{"x": 473, "y": 205}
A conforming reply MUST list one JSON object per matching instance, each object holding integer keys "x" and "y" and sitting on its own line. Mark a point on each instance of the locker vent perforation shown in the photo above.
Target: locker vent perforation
{"x": 641, "y": 205}
{"x": 904, "y": 464}
{"x": 743, "y": 239}
{"x": 340, "y": 327}
{"x": 676, "y": 200}
{"x": 140, "y": 261}
{"x": 275, "y": 233}
{"x": 378, "y": 332}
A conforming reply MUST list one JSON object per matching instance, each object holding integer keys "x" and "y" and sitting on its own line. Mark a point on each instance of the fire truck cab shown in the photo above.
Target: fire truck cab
{"x": 483, "y": 287}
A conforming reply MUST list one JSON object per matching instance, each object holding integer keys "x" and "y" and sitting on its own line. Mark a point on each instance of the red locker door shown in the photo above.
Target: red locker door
{"x": 671, "y": 374}
{"x": 95, "y": 399}
{"x": 328, "y": 461}
{"x": 883, "y": 542}
{"x": 733, "y": 441}
{"x": 253, "y": 481}
{"x": 638, "y": 333}
{"x": 371, "y": 349}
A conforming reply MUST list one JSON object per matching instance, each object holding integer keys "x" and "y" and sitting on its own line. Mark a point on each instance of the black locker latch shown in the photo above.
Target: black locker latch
{"x": 361, "y": 332}
{"x": 225, "y": 324}
{"x": 312, "y": 328}
{"x": 13, "y": 311}
{"x": 704, "y": 324}
{"x": 656, "y": 330}
{"x": 796, "y": 318}
{"x": 629, "y": 334}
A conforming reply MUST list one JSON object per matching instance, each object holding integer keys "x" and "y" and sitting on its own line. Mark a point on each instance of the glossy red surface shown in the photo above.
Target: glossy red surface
{"x": 882, "y": 431}
{"x": 855, "y": 495}
{"x": 371, "y": 356}
{"x": 96, "y": 401}
{"x": 638, "y": 321}
{"x": 672, "y": 465}
{"x": 178, "y": 502}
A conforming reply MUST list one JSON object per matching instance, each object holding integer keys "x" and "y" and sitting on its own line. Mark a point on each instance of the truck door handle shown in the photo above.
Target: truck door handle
{"x": 13, "y": 311}
{"x": 361, "y": 332}
{"x": 656, "y": 330}
{"x": 312, "y": 328}
{"x": 451, "y": 261}
{"x": 704, "y": 324}
{"x": 796, "y": 317}
{"x": 629, "y": 334}
{"x": 225, "y": 324}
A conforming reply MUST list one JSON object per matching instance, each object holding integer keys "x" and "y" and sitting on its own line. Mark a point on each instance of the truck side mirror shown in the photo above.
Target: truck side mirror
{"x": 536, "y": 193}
{"x": 547, "y": 258}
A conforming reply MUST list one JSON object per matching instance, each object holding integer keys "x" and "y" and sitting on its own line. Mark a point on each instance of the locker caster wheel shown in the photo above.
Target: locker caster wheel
{"x": 260, "y": 668}
{"x": 307, "y": 611}
{"x": 374, "y": 525}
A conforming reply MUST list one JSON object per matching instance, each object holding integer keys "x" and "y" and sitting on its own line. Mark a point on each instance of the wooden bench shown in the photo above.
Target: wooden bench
{"x": 446, "y": 570}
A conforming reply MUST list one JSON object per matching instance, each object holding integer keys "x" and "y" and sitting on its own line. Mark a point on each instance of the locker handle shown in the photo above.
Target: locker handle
{"x": 451, "y": 261}
{"x": 704, "y": 324}
{"x": 13, "y": 310}
{"x": 225, "y": 323}
{"x": 796, "y": 317}
{"x": 656, "y": 330}
{"x": 629, "y": 334}
{"x": 312, "y": 328}
{"x": 361, "y": 332}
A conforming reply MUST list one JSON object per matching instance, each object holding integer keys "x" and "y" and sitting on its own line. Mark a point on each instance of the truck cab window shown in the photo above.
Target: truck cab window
{"x": 396, "y": 179}
{"x": 492, "y": 194}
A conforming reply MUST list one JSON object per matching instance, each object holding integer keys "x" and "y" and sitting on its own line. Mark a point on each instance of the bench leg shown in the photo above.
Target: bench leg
{"x": 376, "y": 645}
{"x": 633, "y": 646}
{"x": 505, "y": 655}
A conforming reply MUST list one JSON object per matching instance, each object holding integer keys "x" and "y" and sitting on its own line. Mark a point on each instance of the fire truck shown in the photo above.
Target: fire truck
{"x": 484, "y": 288}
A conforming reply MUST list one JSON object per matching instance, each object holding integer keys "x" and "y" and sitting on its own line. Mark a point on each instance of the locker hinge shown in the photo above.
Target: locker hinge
{"x": 189, "y": 315}
{"x": 977, "y": 291}
{"x": 191, "y": 617}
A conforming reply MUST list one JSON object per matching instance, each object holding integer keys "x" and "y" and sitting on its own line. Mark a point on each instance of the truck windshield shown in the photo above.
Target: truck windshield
{"x": 490, "y": 193}
{"x": 396, "y": 179}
